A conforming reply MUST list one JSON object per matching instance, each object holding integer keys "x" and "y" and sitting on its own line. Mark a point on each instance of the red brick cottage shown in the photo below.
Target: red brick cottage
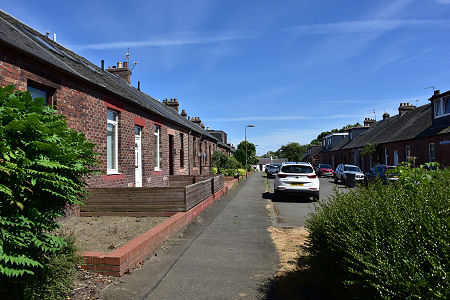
{"x": 422, "y": 132}
{"x": 140, "y": 140}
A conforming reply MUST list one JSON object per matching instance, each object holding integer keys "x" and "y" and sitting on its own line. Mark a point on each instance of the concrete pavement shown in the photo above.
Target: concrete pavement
{"x": 226, "y": 253}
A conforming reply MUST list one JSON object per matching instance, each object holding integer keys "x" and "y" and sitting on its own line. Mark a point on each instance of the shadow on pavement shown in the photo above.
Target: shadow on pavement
{"x": 288, "y": 198}
{"x": 300, "y": 284}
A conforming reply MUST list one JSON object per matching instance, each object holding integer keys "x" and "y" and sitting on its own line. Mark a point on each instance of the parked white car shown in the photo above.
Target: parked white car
{"x": 296, "y": 178}
{"x": 343, "y": 170}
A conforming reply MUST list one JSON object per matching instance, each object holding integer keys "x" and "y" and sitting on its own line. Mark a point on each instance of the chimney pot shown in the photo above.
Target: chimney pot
{"x": 183, "y": 113}
{"x": 125, "y": 64}
{"x": 437, "y": 92}
{"x": 103, "y": 64}
{"x": 139, "y": 85}
{"x": 123, "y": 72}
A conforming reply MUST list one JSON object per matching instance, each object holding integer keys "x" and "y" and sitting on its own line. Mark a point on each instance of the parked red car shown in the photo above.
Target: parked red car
{"x": 324, "y": 170}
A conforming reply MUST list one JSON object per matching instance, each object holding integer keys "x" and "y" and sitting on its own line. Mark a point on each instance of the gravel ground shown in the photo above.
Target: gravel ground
{"x": 106, "y": 233}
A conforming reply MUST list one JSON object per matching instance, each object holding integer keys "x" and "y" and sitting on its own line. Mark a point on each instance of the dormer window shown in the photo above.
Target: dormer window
{"x": 441, "y": 107}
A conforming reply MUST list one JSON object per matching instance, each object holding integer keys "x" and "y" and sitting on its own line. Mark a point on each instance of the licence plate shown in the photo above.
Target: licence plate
{"x": 296, "y": 184}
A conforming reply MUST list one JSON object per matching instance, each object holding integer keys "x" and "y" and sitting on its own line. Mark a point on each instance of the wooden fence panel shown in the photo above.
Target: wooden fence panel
{"x": 219, "y": 182}
{"x": 181, "y": 180}
{"x": 145, "y": 199}
{"x": 198, "y": 192}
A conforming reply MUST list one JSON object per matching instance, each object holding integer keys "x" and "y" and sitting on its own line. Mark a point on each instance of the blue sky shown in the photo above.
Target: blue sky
{"x": 291, "y": 68}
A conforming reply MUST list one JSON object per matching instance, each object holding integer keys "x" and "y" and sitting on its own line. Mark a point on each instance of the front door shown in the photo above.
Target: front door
{"x": 171, "y": 154}
{"x": 137, "y": 155}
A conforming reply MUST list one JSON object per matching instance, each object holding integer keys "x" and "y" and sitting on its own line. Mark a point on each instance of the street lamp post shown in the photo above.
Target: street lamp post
{"x": 246, "y": 142}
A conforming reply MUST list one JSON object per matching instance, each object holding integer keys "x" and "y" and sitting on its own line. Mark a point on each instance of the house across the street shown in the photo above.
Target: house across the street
{"x": 422, "y": 133}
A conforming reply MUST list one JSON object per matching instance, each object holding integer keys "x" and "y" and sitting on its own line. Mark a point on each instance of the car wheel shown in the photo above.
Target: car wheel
{"x": 276, "y": 195}
{"x": 316, "y": 196}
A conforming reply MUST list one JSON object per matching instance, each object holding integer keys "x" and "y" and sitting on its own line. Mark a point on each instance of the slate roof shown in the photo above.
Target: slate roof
{"x": 413, "y": 124}
{"x": 20, "y": 36}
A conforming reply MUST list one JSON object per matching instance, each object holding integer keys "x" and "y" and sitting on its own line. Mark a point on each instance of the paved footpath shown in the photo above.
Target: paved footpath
{"x": 226, "y": 253}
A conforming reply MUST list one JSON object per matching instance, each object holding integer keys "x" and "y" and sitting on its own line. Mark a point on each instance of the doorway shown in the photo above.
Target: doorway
{"x": 138, "y": 156}
{"x": 171, "y": 154}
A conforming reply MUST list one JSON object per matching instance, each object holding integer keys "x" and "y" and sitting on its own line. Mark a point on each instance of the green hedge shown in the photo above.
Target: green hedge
{"x": 386, "y": 241}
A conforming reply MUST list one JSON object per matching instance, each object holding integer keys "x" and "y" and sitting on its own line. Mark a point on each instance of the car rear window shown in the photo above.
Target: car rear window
{"x": 296, "y": 169}
{"x": 352, "y": 169}
{"x": 325, "y": 166}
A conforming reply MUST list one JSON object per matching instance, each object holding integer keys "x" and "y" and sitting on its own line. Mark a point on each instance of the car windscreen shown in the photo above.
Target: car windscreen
{"x": 352, "y": 169}
{"x": 296, "y": 169}
{"x": 326, "y": 166}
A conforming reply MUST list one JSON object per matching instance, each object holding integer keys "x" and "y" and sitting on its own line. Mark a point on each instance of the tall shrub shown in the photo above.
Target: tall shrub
{"x": 386, "y": 241}
{"x": 43, "y": 167}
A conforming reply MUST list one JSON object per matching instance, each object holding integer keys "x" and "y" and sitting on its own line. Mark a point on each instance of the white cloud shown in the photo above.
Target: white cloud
{"x": 364, "y": 26}
{"x": 275, "y": 118}
{"x": 181, "y": 39}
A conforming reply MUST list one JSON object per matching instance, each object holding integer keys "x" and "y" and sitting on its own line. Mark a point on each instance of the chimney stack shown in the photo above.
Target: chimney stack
{"x": 404, "y": 108}
{"x": 183, "y": 113}
{"x": 173, "y": 103}
{"x": 202, "y": 126}
{"x": 122, "y": 71}
{"x": 368, "y": 122}
{"x": 139, "y": 85}
{"x": 436, "y": 92}
{"x": 385, "y": 116}
{"x": 103, "y": 64}
{"x": 197, "y": 120}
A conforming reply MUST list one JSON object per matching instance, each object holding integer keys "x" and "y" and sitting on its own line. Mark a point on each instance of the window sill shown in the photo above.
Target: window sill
{"x": 113, "y": 176}
{"x": 157, "y": 172}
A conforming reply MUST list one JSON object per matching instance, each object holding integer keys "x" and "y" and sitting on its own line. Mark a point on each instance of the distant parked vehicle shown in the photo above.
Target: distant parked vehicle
{"x": 296, "y": 178}
{"x": 324, "y": 170}
{"x": 343, "y": 170}
{"x": 272, "y": 170}
{"x": 379, "y": 172}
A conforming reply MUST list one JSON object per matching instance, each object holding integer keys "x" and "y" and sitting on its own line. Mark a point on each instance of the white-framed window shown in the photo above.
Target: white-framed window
{"x": 407, "y": 153}
{"x": 432, "y": 152}
{"x": 112, "y": 142}
{"x": 442, "y": 107}
{"x": 157, "y": 146}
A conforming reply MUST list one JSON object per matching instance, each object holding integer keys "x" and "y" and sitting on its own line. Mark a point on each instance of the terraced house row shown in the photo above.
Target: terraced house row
{"x": 421, "y": 132}
{"x": 140, "y": 139}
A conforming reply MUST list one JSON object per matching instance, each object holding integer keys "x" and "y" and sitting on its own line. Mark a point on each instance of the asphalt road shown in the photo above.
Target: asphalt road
{"x": 292, "y": 211}
{"x": 226, "y": 253}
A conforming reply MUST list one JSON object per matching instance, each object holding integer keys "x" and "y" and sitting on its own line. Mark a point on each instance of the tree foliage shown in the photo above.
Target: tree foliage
{"x": 325, "y": 133}
{"x": 292, "y": 151}
{"x": 222, "y": 161}
{"x": 252, "y": 159}
{"x": 43, "y": 166}
{"x": 270, "y": 154}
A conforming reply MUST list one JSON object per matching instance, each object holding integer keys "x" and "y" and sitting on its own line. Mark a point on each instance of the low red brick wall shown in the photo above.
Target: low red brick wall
{"x": 116, "y": 263}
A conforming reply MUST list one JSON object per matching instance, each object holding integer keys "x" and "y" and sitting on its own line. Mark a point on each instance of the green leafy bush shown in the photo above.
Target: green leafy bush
{"x": 224, "y": 163}
{"x": 229, "y": 172}
{"x": 386, "y": 241}
{"x": 214, "y": 170}
{"x": 55, "y": 280}
{"x": 43, "y": 166}
{"x": 242, "y": 172}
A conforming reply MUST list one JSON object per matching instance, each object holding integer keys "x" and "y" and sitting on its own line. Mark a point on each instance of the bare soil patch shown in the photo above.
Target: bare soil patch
{"x": 107, "y": 233}
{"x": 288, "y": 242}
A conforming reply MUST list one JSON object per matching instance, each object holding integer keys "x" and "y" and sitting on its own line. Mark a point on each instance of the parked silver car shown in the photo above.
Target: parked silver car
{"x": 272, "y": 170}
{"x": 343, "y": 170}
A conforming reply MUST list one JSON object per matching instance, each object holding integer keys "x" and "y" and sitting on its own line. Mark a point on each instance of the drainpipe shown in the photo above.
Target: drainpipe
{"x": 189, "y": 152}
